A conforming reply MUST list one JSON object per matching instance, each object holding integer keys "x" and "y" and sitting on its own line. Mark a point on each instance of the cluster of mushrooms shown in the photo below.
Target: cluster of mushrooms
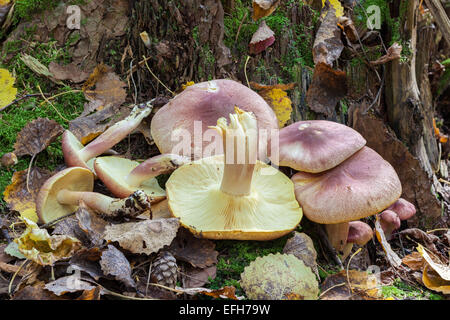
{"x": 339, "y": 179}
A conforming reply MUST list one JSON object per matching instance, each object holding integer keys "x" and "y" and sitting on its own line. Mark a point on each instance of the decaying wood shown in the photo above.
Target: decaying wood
{"x": 442, "y": 20}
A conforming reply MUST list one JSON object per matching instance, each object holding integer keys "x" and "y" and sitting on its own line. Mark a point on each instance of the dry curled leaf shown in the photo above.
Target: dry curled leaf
{"x": 414, "y": 261}
{"x": 199, "y": 253}
{"x": 327, "y": 88}
{"x": 227, "y": 292}
{"x": 87, "y": 260}
{"x": 114, "y": 263}
{"x": 91, "y": 224}
{"x": 391, "y": 256}
{"x": 35, "y": 292}
{"x": 433, "y": 281}
{"x": 263, "y": 8}
{"x": 442, "y": 269}
{"x": 37, "y": 245}
{"x": 393, "y": 53}
{"x": 261, "y": 39}
{"x": 146, "y": 236}
{"x": 197, "y": 277}
{"x": 7, "y": 91}
{"x": 36, "y": 136}
{"x": 22, "y": 199}
{"x": 68, "y": 284}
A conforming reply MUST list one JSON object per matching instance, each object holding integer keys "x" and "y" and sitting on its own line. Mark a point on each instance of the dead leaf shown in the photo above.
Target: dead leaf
{"x": 199, "y": 253}
{"x": 37, "y": 245}
{"x": 109, "y": 90}
{"x": 302, "y": 247}
{"x": 393, "y": 53}
{"x": 414, "y": 261}
{"x": 69, "y": 227}
{"x": 67, "y": 72}
{"x": 442, "y": 269}
{"x": 114, "y": 263}
{"x": 36, "y": 136}
{"x": 433, "y": 281}
{"x": 197, "y": 277}
{"x": 160, "y": 210}
{"x": 68, "y": 284}
{"x": 10, "y": 268}
{"x": 391, "y": 256}
{"x": 263, "y": 8}
{"x": 91, "y": 224}
{"x": 227, "y": 292}
{"x": 87, "y": 260}
{"x": 328, "y": 45}
{"x": 17, "y": 196}
{"x": 37, "y": 67}
{"x": 146, "y": 236}
{"x": 363, "y": 286}
{"x": 8, "y": 92}
{"x": 277, "y": 98}
{"x": 93, "y": 294}
{"x": 36, "y": 292}
{"x": 347, "y": 25}
{"x": 326, "y": 89}
{"x": 427, "y": 239}
{"x": 261, "y": 39}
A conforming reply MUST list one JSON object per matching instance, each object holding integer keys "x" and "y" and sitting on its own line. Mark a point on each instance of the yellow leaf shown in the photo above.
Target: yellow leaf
{"x": 187, "y": 84}
{"x": 37, "y": 245}
{"x": 434, "y": 282}
{"x": 336, "y": 4}
{"x": 7, "y": 91}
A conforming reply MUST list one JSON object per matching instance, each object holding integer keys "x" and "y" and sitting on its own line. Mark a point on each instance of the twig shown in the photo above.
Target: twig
{"x": 60, "y": 94}
{"x": 146, "y": 64}
{"x": 14, "y": 276}
{"x": 22, "y": 98}
{"x": 439, "y": 229}
{"x": 28, "y": 172}
{"x": 148, "y": 278}
{"x": 240, "y": 26}
{"x": 330, "y": 288}
{"x": 48, "y": 224}
{"x": 444, "y": 181}
{"x": 245, "y": 70}
{"x": 45, "y": 98}
{"x": 348, "y": 265}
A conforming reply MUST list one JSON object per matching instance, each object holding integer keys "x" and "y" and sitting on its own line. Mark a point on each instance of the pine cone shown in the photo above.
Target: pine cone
{"x": 164, "y": 270}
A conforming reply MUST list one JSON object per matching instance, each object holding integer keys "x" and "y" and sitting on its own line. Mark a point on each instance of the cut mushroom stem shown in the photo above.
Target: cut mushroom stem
{"x": 239, "y": 140}
{"x": 75, "y": 154}
{"x": 155, "y": 166}
{"x": 131, "y": 206}
{"x": 337, "y": 235}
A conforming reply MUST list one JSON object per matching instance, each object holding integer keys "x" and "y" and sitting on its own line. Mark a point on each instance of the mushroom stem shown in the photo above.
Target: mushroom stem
{"x": 116, "y": 133}
{"x": 240, "y": 152}
{"x": 130, "y": 206}
{"x": 153, "y": 167}
{"x": 337, "y": 234}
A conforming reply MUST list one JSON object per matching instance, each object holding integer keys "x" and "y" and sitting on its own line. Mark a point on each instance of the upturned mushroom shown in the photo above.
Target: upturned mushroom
{"x": 362, "y": 185}
{"x": 315, "y": 145}
{"x": 61, "y": 193}
{"x": 77, "y": 155}
{"x": 181, "y": 126}
{"x": 124, "y": 176}
{"x": 234, "y": 196}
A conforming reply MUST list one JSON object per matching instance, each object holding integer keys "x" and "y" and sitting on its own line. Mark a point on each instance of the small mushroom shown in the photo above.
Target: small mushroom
{"x": 316, "y": 145}
{"x": 361, "y": 186}
{"x": 61, "y": 193}
{"x": 189, "y": 114}
{"x": 77, "y": 155}
{"x": 9, "y": 159}
{"x": 233, "y": 196}
{"x": 389, "y": 222}
{"x": 123, "y": 176}
{"x": 390, "y": 219}
{"x": 358, "y": 233}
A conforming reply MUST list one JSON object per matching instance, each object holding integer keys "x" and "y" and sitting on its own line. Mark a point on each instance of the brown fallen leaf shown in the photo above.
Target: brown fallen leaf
{"x": 69, "y": 227}
{"x": 414, "y": 261}
{"x": 21, "y": 198}
{"x": 35, "y": 292}
{"x": 261, "y": 39}
{"x": 146, "y": 236}
{"x": 363, "y": 286}
{"x": 433, "y": 281}
{"x": 87, "y": 260}
{"x": 263, "y": 8}
{"x": 302, "y": 247}
{"x": 36, "y": 136}
{"x": 326, "y": 89}
{"x": 199, "y": 253}
{"x": 67, "y": 72}
{"x": 109, "y": 90}
{"x": 328, "y": 45}
{"x": 93, "y": 294}
{"x": 10, "y": 268}
{"x": 427, "y": 239}
{"x": 227, "y": 292}
{"x": 347, "y": 25}
{"x": 114, "y": 263}
{"x": 197, "y": 277}
{"x": 91, "y": 224}
{"x": 393, "y": 53}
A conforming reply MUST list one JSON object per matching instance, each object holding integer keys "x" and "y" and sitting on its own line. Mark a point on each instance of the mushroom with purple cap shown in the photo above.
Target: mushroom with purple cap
{"x": 361, "y": 186}
{"x": 390, "y": 219}
{"x": 61, "y": 193}
{"x": 358, "y": 233}
{"x": 77, "y": 155}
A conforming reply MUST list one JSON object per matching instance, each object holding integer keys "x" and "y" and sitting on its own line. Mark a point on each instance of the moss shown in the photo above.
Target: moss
{"x": 401, "y": 290}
